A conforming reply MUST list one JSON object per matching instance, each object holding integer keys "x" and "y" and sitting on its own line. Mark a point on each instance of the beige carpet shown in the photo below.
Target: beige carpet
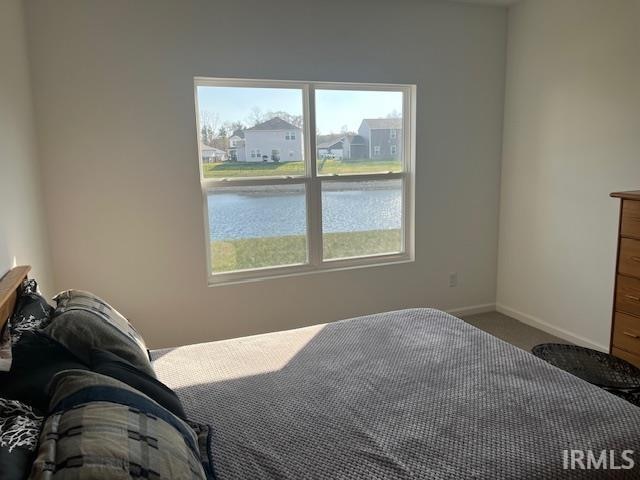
{"x": 511, "y": 330}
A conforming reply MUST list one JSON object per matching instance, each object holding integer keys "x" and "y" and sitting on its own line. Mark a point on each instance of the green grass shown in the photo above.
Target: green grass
{"x": 287, "y": 250}
{"x": 330, "y": 167}
{"x": 327, "y": 167}
{"x": 252, "y": 169}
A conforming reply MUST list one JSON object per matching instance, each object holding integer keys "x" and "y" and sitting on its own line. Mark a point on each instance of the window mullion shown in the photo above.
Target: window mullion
{"x": 314, "y": 203}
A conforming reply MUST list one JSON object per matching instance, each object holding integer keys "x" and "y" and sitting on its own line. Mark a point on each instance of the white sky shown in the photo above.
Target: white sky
{"x": 334, "y": 108}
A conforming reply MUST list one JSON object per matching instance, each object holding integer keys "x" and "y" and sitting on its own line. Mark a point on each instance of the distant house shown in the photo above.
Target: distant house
{"x": 279, "y": 140}
{"x": 383, "y": 137}
{"x": 237, "y": 151}
{"x": 342, "y": 147}
{"x": 355, "y": 147}
{"x": 330, "y": 146}
{"x": 274, "y": 140}
{"x": 212, "y": 154}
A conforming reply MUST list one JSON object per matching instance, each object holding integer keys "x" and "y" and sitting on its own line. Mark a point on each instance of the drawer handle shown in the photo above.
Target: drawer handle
{"x": 631, "y": 334}
{"x": 632, "y": 298}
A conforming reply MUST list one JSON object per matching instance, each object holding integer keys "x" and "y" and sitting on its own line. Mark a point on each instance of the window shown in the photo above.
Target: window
{"x": 393, "y": 134}
{"x": 295, "y": 213}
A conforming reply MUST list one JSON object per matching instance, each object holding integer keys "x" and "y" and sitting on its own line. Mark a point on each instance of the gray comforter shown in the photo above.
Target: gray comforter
{"x": 400, "y": 395}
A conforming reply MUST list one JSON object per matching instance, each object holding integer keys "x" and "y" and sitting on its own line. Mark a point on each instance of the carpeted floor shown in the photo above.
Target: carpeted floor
{"x": 511, "y": 330}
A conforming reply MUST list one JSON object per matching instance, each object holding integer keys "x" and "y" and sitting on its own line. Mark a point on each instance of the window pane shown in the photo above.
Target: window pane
{"x": 361, "y": 218}
{"x": 244, "y": 130}
{"x": 359, "y": 131}
{"x": 257, "y": 227}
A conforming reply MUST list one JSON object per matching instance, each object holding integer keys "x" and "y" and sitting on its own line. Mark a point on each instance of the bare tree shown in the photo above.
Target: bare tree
{"x": 209, "y": 122}
{"x": 232, "y": 127}
{"x": 295, "y": 120}
{"x": 256, "y": 116}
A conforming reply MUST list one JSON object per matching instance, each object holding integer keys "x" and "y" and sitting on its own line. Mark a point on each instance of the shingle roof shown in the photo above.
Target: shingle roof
{"x": 204, "y": 147}
{"x": 356, "y": 140}
{"x": 326, "y": 141}
{"x": 383, "y": 123}
{"x": 275, "y": 123}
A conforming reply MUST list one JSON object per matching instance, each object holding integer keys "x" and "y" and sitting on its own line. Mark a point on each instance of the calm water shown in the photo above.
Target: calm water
{"x": 236, "y": 214}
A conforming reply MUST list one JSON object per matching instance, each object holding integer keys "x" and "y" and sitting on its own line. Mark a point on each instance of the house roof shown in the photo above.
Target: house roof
{"x": 275, "y": 123}
{"x": 356, "y": 139}
{"x": 333, "y": 143}
{"x": 209, "y": 148}
{"x": 328, "y": 141}
{"x": 383, "y": 123}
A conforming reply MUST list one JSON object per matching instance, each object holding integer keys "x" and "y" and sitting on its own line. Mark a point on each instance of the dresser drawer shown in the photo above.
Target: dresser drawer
{"x": 626, "y": 333}
{"x": 629, "y": 260}
{"x": 629, "y": 357}
{"x": 628, "y": 295}
{"x": 630, "y": 226}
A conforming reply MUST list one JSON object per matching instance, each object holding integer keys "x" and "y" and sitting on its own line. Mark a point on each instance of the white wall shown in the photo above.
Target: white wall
{"x": 114, "y": 101}
{"x": 22, "y": 232}
{"x": 572, "y": 136}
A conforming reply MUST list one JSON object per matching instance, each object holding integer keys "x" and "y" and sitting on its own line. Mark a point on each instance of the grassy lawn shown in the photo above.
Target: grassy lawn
{"x": 327, "y": 167}
{"x": 251, "y": 169}
{"x": 272, "y": 251}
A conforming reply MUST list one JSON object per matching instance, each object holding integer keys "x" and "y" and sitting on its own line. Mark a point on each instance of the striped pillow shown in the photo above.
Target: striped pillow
{"x": 100, "y": 428}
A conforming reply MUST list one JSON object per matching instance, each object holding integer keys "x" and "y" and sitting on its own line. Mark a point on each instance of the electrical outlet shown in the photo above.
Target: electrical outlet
{"x": 453, "y": 279}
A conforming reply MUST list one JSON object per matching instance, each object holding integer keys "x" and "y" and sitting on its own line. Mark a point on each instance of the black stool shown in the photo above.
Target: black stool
{"x": 606, "y": 371}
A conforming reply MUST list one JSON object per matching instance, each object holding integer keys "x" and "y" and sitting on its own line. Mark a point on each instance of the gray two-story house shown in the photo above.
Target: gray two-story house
{"x": 383, "y": 137}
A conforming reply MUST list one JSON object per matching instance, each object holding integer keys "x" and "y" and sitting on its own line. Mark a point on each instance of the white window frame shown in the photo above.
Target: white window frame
{"x": 313, "y": 183}
{"x": 393, "y": 149}
{"x": 394, "y": 134}
{"x": 376, "y": 150}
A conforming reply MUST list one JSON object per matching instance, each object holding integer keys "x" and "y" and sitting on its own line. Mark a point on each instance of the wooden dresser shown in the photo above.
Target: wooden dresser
{"x": 625, "y": 331}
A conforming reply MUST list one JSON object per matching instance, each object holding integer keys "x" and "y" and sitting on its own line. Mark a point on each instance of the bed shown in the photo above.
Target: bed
{"x": 400, "y": 395}
{"x": 411, "y": 394}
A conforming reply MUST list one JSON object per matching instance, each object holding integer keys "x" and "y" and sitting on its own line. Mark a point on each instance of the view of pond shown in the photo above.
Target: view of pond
{"x": 235, "y": 213}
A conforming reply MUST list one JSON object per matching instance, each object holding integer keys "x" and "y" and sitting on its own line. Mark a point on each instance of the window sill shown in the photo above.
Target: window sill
{"x": 259, "y": 275}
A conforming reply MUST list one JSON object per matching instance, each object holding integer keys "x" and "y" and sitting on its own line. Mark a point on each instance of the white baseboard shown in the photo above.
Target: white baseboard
{"x": 472, "y": 309}
{"x": 546, "y": 327}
